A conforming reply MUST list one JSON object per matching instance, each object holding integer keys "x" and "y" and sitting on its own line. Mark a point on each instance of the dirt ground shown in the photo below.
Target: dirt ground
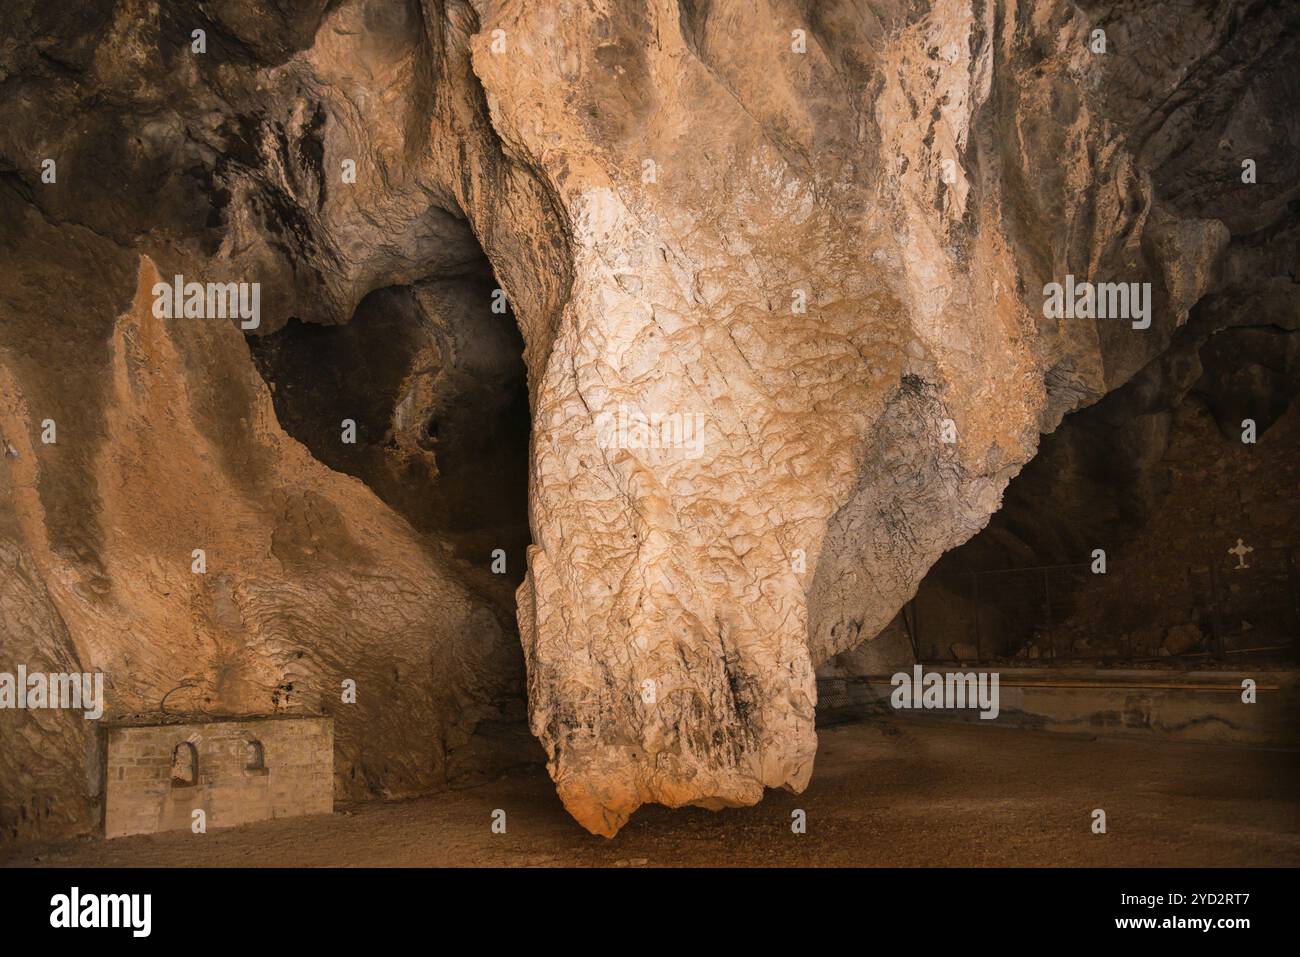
{"x": 896, "y": 793}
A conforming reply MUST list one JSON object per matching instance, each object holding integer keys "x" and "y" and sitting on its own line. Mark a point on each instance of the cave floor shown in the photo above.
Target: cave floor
{"x": 909, "y": 792}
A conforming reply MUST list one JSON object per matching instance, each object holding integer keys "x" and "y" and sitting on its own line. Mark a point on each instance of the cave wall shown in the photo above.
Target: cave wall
{"x": 213, "y": 166}
{"x": 821, "y": 231}
{"x": 1164, "y": 476}
{"x": 310, "y": 580}
{"x": 919, "y": 174}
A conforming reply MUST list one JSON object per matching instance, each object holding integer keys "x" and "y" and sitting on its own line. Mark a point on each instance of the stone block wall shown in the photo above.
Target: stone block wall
{"x": 235, "y": 771}
{"x": 1203, "y": 706}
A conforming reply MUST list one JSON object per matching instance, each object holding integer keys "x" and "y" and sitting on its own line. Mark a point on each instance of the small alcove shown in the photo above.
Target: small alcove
{"x": 254, "y": 757}
{"x": 185, "y": 765}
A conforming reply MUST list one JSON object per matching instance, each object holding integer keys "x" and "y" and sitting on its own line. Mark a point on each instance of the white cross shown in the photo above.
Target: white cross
{"x": 1241, "y": 551}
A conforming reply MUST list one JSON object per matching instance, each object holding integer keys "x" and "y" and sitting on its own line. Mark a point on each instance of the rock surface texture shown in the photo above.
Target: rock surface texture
{"x": 779, "y": 271}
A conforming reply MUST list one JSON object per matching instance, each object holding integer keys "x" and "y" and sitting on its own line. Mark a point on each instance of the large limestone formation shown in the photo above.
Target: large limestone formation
{"x": 829, "y": 233}
{"x": 811, "y": 241}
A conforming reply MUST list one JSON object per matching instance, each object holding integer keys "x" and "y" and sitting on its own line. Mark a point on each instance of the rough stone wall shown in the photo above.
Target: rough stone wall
{"x": 824, "y": 228}
{"x": 1159, "y": 473}
{"x": 915, "y": 176}
{"x": 310, "y": 580}
{"x": 143, "y": 797}
{"x": 213, "y": 166}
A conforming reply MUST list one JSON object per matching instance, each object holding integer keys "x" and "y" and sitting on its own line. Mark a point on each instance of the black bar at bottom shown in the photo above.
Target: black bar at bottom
{"x": 603, "y": 909}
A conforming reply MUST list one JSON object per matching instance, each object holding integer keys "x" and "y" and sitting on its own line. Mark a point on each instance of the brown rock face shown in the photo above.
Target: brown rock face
{"x": 779, "y": 271}
{"x": 212, "y": 166}
{"x": 829, "y": 236}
